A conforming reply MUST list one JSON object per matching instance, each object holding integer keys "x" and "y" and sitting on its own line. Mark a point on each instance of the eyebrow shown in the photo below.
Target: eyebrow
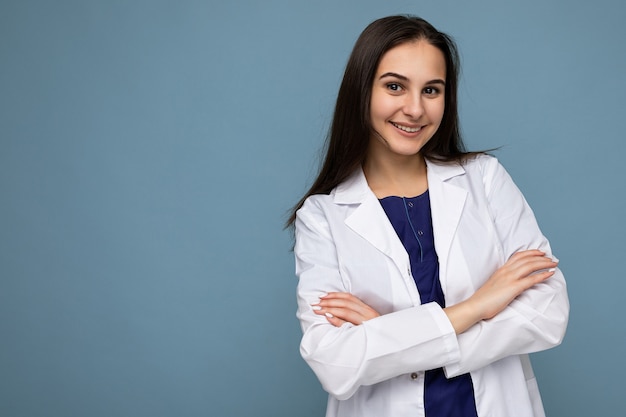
{"x": 403, "y": 78}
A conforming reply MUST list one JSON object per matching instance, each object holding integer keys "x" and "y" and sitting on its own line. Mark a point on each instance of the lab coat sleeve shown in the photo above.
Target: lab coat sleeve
{"x": 348, "y": 357}
{"x": 536, "y": 320}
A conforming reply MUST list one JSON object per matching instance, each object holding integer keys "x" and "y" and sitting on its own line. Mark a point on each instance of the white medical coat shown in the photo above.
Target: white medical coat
{"x": 345, "y": 242}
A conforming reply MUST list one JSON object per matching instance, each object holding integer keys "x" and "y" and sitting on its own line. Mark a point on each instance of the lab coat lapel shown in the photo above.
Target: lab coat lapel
{"x": 447, "y": 201}
{"x": 369, "y": 220}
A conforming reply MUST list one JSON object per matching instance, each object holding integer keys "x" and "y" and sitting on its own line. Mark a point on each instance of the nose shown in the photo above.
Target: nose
{"x": 413, "y": 106}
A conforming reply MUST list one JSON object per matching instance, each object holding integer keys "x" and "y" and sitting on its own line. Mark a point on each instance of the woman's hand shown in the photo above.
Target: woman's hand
{"x": 523, "y": 270}
{"x": 342, "y": 307}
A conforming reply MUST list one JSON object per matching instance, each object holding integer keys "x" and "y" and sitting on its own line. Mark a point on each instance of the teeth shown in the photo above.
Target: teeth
{"x": 407, "y": 129}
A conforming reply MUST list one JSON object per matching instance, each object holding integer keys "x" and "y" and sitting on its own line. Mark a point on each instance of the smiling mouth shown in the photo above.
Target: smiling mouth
{"x": 407, "y": 129}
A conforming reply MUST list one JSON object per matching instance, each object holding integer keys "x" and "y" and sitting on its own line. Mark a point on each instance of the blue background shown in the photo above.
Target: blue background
{"x": 149, "y": 152}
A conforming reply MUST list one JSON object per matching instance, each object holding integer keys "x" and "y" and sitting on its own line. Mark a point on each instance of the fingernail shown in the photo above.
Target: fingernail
{"x": 330, "y": 316}
{"x": 552, "y": 270}
{"x": 316, "y": 307}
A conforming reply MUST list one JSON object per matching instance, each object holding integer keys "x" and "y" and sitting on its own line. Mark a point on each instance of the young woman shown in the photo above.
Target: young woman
{"x": 424, "y": 280}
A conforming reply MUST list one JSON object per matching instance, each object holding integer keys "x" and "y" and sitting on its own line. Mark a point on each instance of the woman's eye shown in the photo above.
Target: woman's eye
{"x": 394, "y": 87}
{"x": 431, "y": 91}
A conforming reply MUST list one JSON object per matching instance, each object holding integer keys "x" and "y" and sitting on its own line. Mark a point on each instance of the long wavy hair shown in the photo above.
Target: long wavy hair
{"x": 349, "y": 135}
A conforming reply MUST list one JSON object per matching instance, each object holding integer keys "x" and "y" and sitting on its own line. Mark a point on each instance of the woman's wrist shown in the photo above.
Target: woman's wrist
{"x": 462, "y": 316}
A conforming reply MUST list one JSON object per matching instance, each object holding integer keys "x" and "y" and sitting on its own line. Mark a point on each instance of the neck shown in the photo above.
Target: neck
{"x": 403, "y": 176}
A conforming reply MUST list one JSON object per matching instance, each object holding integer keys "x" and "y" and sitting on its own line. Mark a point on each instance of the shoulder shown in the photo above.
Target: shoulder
{"x": 487, "y": 167}
{"x": 312, "y": 219}
{"x": 315, "y": 205}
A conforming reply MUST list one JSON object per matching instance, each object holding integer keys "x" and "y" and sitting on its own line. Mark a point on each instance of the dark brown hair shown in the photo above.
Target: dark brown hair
{"x": 347, "y": 141}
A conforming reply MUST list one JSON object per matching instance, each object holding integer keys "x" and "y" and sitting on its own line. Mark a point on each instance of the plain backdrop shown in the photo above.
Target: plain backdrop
{"x": 149, "y": 153}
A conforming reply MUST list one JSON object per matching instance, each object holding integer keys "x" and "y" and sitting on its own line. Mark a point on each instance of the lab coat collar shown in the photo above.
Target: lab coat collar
{"x": 370, "y": 221}
{"x": 444, "y": 171}
{"x": 355, "y": 189}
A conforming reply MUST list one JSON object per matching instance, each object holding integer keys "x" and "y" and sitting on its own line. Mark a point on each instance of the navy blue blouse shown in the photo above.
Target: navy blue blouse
{"x": 412, "y": 221}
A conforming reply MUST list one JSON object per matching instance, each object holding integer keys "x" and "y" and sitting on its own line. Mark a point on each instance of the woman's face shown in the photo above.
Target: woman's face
{"x": 408, "y": 97}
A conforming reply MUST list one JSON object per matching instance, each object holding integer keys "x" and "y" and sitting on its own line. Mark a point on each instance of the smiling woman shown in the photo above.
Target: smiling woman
{"x": 407, "y": 107}
{"x": 424, "y": 280}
